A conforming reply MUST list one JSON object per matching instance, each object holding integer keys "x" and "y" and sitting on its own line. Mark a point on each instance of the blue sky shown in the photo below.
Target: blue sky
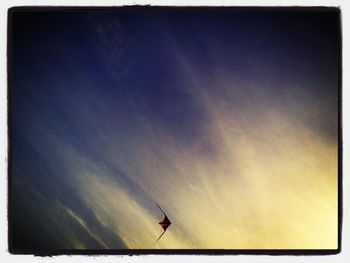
{"x": 227, "y": 117}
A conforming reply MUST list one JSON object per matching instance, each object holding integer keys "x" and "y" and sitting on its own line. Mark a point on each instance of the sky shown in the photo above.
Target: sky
{"x": 228, "y": 118}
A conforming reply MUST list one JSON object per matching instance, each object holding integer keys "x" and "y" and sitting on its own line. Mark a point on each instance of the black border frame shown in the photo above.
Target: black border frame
{"x": 133, "y": 252}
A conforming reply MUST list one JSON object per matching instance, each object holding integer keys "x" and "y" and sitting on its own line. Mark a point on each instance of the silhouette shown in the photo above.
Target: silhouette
{"x": 165, "y": 223}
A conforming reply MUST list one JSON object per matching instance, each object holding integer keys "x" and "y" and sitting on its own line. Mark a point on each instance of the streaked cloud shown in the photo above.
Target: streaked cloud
{"x": 238, "y": 159}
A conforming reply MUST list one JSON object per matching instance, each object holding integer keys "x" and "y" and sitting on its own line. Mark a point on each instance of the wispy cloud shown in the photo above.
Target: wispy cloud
{"x": 110, "y": 40}
{"x": 235, "y": 162}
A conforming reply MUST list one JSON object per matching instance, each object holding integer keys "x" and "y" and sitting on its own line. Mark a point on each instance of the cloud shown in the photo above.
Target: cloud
{"x": 235, "y": 162}
{"x": 110, "y": 42}
{"x": 269, "y": 182}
